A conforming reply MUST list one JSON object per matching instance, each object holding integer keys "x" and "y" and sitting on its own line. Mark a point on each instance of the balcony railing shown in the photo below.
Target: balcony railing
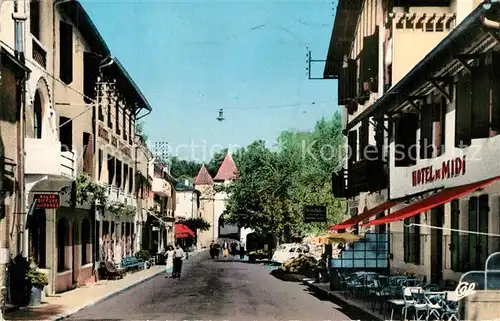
{"x": 362, "y": 176}
{"x": 39, "y": 54}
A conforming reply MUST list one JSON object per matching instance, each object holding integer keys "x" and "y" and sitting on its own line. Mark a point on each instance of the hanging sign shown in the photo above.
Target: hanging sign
{"x": 47, "y": 201}
{"x": 448, "y": 169}
{"x": 314, "y": 214}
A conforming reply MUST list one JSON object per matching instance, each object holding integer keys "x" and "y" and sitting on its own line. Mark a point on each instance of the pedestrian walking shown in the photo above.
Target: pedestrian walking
{"x": 169, "y": 258}
{"x": 178, "y": 257}
{"x": 242, "y": 251}
{"x": 234, "y": 249}
{"x": 225, "y": 249}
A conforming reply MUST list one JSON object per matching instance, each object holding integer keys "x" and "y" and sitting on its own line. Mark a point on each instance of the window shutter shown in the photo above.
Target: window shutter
{"x": 495, "y": 87}
{"x": 463, "y": 111}
{"x": 480, "y": 101}
{"x": 426, "y": 123}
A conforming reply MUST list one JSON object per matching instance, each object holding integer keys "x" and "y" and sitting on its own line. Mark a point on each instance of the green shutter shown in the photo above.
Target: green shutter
{"x": 455, "y": 238}
{"x": 483, "y": 215}
{"x": 406, "y": 241}
{"x": 472, "y": 238}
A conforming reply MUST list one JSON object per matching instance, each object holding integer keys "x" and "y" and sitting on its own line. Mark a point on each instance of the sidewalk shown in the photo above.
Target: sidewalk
{"x": 365, "y": 307}
{"x": 62, "y": 305}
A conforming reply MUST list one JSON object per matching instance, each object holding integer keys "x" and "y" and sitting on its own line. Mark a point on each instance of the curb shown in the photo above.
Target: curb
{"x": 65, "y": 315}
{"x": 351, "y": 304}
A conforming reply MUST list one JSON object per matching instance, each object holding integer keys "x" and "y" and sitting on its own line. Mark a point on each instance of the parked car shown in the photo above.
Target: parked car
{"x": 288, "y": 251}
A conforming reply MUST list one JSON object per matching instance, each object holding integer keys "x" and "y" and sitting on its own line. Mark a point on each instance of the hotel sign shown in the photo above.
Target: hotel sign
{"x": 448, "y": 169}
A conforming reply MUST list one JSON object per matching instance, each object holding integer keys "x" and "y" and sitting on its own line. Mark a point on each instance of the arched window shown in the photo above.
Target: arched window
{"x": 62, "y": 237}
{"x": 85, "y": 241}
{"x": 37, "y": 116}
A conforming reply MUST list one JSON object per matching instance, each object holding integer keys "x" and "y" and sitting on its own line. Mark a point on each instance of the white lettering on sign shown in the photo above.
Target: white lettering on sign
{"x": 449, "y": 169}
{"x": 465, "y": 289}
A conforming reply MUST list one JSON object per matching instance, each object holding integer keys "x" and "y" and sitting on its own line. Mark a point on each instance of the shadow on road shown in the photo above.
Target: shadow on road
{"x": 42, "y": 312}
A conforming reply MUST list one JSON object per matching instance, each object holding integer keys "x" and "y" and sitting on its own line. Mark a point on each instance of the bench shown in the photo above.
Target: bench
{"x": 108, "y": 271}
{"x": 131, "y": 262}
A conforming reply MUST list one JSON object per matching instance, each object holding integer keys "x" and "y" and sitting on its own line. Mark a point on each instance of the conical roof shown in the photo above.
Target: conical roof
{"x": 203, "y": 177}
{"x": 227, "y": 170}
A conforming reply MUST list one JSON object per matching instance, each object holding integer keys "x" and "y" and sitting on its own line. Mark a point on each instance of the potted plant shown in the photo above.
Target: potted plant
{"x": 37, "y": 280}
{"x": 145, "y": 257}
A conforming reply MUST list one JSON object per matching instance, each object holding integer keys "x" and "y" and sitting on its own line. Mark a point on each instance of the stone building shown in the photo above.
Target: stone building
{"x": 213, "y": 199}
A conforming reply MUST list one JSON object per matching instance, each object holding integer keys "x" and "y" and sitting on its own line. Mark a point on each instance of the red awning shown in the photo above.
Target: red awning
{"x": 366, "y": 214}
{"x": 182, "y": 231}
{"x": 441, "y": 197}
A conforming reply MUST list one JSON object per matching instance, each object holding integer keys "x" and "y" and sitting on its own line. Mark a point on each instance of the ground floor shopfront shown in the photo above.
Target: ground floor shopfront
{"x": 437, "y": 236}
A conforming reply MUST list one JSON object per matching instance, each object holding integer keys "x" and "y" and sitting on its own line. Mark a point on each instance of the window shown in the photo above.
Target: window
{"x": 37, "y": 116}
{"x": 90, "y": 74}
{"x": 478, "y": 222}
{"x": 131, "y": 180}
{"x": 35, "y": 18}
{"x": 118, "y": 180}
{"x": 364, "y": 138}
{"x": 463, "y": 111}
{"x": 66, "y": 134}
{"x": 111, "y": 169}
{"x": 439, "y": 116}
{"x": 100, "y": 159}
{"x": 405, "y": 140}
{"x": 125, "y": 175}
{"x": 130, "y": 129}
{"x": 117, "y": 118}
{"x": 455, "y": 237}
{"x": 352, "y": 140}
{"x": 86, "y": 242}
{"x": 125, "y": 127}
{"x": 65, "y": 52}
{"x": 110, "y": 117}
{"x": 88, "y": 153}
{"x": 426, "y": 148}
{"x": 411, "y": 240}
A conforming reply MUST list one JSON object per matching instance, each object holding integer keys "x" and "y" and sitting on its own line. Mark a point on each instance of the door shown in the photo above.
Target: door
{"x": 74, "y": 253}
{"x": 437, "y": 219}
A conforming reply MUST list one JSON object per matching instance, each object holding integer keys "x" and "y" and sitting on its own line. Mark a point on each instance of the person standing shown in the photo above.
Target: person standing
{"x": 225, "y": 249}
{"x": 178, "y": 257}
{"x": 169, "y": 256}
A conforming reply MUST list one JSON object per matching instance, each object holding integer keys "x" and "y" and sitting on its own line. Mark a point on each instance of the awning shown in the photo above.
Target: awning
{"x": 157, "y": 217}
{"x": 366, "y": 214}
{"x": 441, "y": 197}
{"x": 182, "y": 231}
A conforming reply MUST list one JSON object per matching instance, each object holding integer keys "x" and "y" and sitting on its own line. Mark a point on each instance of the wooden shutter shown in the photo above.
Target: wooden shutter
{"x": 352, "y": 74}
{"x": 463, "y": 111}
{"x": 455, "y": 237}
{"x": 352, "y": 140}
{"x": 495, "y": 88}
{"x": 363, "y": 138}
{"x": 416, "y": 240}
{"x": 343, "y": 84}
{"x": 480, "y": 101}
{"x": 482, "y": 226}
{"x": 472, "y": 238}
{"x": 426, "y": 132}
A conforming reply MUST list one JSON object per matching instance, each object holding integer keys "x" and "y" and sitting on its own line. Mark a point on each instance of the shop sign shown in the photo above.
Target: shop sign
{"x": 46, "y": 201}
{"x": 448, "y": 169}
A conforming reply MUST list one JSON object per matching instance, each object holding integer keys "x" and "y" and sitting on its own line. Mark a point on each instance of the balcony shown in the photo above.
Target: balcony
{"x": 367, "y": 176}
{"x": 161, "y": 187}
{"x": 44, "y": 157}
{"x": 39, "y": 54}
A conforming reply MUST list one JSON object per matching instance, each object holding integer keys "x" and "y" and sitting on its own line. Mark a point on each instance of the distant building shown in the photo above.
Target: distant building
{"x": 213, "y": 201}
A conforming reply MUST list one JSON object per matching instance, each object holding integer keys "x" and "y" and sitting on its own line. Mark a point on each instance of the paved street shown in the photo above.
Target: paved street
{"x": 211, "y": 290}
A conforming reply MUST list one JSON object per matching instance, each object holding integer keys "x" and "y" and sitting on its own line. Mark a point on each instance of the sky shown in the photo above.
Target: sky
{"x": 192, "y": 58}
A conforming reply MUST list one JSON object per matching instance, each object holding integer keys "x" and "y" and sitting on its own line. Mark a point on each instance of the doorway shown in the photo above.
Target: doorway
{"x": 74, "y": 253}
{"x": 437, "y": 219}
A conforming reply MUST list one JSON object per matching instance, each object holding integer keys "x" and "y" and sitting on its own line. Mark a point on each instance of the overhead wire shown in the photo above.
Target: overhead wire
{"x": 279, "y": 106}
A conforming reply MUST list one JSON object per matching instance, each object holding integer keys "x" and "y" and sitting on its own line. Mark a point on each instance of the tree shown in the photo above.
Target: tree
{"x": 273, "y": 187}
{"x": 182, "y": 169}
{"x": 139, "y": 130}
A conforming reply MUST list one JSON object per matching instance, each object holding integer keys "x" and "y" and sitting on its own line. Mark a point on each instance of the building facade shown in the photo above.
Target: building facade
{"x": 213, "y": 200}
{"x": 434, "y": 117}
{"x": 80, "y": 107}
{"x": 187, "y": 202}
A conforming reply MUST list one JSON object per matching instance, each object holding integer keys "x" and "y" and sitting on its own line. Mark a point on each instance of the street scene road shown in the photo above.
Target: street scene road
{"x": 215, "y": 290}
